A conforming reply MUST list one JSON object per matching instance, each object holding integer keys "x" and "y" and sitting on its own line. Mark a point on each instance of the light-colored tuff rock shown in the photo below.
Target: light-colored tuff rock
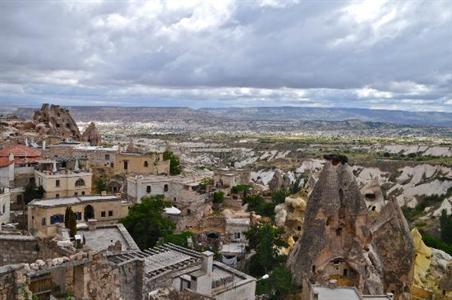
{"x": 290, "y": 215}
{"x": 337, "y": 242}
{"x": 279, "y": 181}
{"x": 394, "y": 245}
{"x": 91, "y": 135}
{"x": 341, "y": 242}
{"x": 56, "y": 121}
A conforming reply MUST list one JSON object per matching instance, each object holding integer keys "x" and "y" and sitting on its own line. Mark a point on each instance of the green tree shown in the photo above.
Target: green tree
{"x": 146, "y": 221}
{"x": 31, "y": 192}
{"x": 218, "y": 197}
{"x": 178, "y": 238}
{"x": 278, "y": 286}
{"x": 100, "y": 185}
{"x": 267, "y": 240}
{"x": 175, "y": 167}
{"x": 258, "y": 204}
{"x": 446, "y": 227}
{"x": 70, "y": 221}
{"x": 241, "y": 188}
{"x": 279, "y": 196}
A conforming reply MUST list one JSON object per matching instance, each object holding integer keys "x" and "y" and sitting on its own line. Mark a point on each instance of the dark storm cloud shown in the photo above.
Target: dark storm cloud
{"x": 380, "y": 54}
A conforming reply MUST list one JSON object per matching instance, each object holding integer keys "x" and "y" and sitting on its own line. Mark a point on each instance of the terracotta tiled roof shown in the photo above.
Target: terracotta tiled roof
{"x": 4, "y": 162}
{"x": 20, "y": 151}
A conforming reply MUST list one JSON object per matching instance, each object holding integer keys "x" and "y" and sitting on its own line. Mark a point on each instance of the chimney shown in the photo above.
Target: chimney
{"x": 207, "y": 261}
{"x": 92, "y": 223}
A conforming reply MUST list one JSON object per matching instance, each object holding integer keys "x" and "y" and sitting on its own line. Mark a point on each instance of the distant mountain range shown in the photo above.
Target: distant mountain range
{"x": 335, "y": 114}
{"x": 270, "y": 114}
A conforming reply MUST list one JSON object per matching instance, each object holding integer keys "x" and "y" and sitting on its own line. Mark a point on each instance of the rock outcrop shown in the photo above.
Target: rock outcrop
{"x": 431, "y": 270}
{"x": 395, "y": 247}
{"x": 91, "y": 135}
{"x": 290, "y": 215}
{"x": 337, "y": 242}
{"x": 279, "y": 181}
{"x": 56, "y": 121}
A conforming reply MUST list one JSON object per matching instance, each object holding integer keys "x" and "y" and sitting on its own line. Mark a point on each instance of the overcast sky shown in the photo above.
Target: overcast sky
{"x": 370, "y": 54}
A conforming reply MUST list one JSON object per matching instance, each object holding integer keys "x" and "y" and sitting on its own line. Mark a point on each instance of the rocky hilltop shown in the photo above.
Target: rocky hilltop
{"x": 91, "y": 135}
{"x": 57, "y": 121}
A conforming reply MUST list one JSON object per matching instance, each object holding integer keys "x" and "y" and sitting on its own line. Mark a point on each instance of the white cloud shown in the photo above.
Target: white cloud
{"x": 367, "y": 92}
{"x": 324, "y": 53}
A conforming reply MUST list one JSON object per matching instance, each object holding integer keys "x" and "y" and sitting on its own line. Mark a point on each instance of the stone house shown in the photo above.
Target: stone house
{"x": 185, "y": 193}
{"x": 138, "y": 163}
{"x": 5, "y": 202}
{"x": 97, "y": 157}
{"x": 226, "y": 178}
{"x": 64, "y": 183}
{"x": 17, "y": 165}
{"x": 44, "y": 216}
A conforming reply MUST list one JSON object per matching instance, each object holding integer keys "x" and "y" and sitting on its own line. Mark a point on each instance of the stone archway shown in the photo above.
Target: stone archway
{"x": 88, "y": 212}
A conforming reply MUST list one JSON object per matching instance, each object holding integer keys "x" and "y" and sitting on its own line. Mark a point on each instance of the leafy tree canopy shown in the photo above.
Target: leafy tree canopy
{"x": 175, "y": 167}
{"x": 218, "y": 197}
{"x": 267, "y": 240}
{"x": 258, "y": 204}
{"x": 32, "y": 192}
{"x": 100, "y": 185}
{"x": 147, "y": 223}
{"x": 180, "y": 239}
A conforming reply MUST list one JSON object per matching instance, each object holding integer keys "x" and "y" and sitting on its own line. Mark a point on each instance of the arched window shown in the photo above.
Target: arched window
{"x": 80, "y": 182}
{"x": 146, "y": 164}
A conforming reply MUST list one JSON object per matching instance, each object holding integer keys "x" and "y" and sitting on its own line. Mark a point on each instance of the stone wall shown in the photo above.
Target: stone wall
{"x": 13, "y": 283}
{"x": 16, "y": 249}
{"x": 131, "y": 279}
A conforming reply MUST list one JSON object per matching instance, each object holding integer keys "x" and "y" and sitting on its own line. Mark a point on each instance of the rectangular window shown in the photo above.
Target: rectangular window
{"x": 126, "y": 165}
{"x": 57, "y": 196}
{"x": 57, "y": 183}
{"x": 237, "y": 235}
{"x": 78, "y": 215}
{"x": 56, "y": 219}
{"x": 107, "y": 156}
{"x": 165, "y": 188}
{"x": 110, "y": 213}
{"x": 83, "y": 193}
{"x": 43, "y": 221}
{"x": 148, "y": 189}
{"x": 102, "y": 214}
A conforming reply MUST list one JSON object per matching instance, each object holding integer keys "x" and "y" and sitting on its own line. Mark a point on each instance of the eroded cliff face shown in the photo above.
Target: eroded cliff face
{"x": 342, "y": 240}
{"x": 91, "y": 135}
{"x": 55, "y": 121}
{"x": 337, "y": 242}
{"x": 394, "y": 245}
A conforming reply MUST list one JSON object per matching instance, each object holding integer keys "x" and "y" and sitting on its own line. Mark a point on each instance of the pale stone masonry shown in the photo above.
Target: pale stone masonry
{"x": 178, "y": 268}
{"x": 5, "y": 202}
{"x": 64, "y": 183}
{"x": 44, "y": 216}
